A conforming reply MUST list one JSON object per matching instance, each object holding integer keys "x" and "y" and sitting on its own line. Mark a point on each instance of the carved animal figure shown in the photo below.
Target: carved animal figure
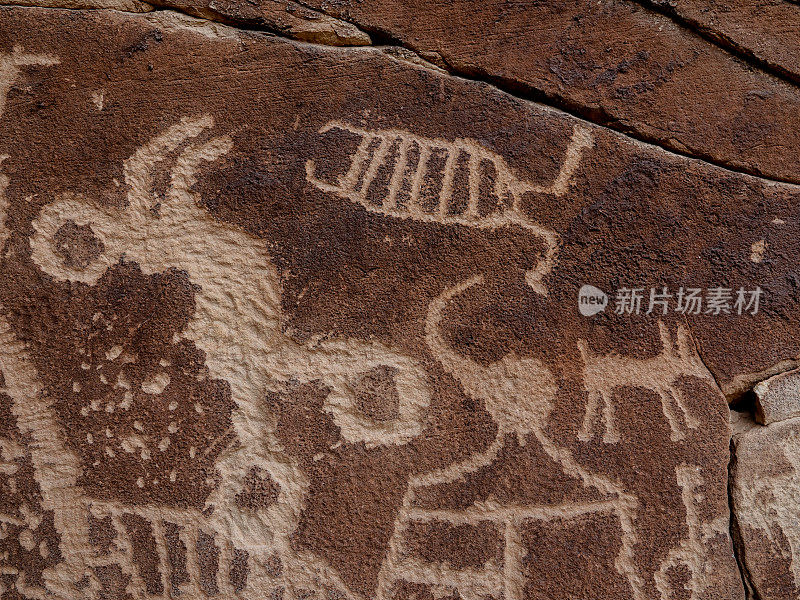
{"x": 411, "y": 189}
{"x": 517, "y": 392}
{"x": 603, "y": 373}
{"x": 237, "y": 323}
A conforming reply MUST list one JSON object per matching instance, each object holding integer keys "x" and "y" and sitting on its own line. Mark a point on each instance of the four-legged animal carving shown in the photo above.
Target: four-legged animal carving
{"x": 602, "y": 373}
{"x": 518, "y": 392}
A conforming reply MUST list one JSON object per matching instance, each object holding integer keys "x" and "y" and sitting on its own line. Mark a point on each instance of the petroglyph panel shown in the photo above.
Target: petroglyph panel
{"x": 287, "y": 321}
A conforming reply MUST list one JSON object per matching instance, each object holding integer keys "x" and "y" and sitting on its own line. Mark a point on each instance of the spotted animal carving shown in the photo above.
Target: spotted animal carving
{"x": 238, "y": 325}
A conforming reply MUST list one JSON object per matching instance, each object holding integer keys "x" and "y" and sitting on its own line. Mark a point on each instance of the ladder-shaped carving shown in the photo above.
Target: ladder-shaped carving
{"x": 373, "y": 152}
{"x": 603, "y": 373}
{"x": 180, "y": 537}
{"x": 58, "y": 471}
{"x": 408, "y": 195}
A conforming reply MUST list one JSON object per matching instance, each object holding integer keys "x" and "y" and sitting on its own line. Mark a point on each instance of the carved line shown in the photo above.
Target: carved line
{"x": 518, "y": 381}
{"x": 506, "y": 183}
{"x": 56, "y": 467}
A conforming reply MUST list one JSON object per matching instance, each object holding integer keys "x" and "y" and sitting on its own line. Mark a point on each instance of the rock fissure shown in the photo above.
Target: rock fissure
{"x": 722, "y": 41}
{"x": 383, "y": 40}
{"x": 596, "y": 114}
{"x": 751, "y": 593}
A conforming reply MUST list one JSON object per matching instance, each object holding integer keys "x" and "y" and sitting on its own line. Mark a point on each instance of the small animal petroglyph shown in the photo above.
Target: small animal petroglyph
{"x": 408, "y": 194}
{"x": 692, "y": 552}
{"x": 603, "y": 373}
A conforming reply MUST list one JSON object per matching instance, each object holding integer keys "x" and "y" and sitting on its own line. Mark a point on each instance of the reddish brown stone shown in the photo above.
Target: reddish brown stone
{"x": 341, "y": 367}
{"x": 458, "y": 546}
{"x": 29, "y": 543}
{"x": 176, "y": 557}
{"x": 288, "y": 18}
{"x": 144, "y": 552}
{"x": 765, "y": 30}
{"x": 764, "y": 489}
{"x": 617, "y": 62}
{"x": 778, "y": 398}
{"x": 259, "y": 490}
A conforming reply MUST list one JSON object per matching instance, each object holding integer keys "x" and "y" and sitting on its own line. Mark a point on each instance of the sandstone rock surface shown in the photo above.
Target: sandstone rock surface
{"x": 764, "y": 30}
{"x": 778, "y": 398}
{"x": 286, "y": 320}
{"x": 618, "y": 63}
{"x": 123, "y": 5}
{"x": 286, "y": 18}
{"x": 765, "y": 485}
